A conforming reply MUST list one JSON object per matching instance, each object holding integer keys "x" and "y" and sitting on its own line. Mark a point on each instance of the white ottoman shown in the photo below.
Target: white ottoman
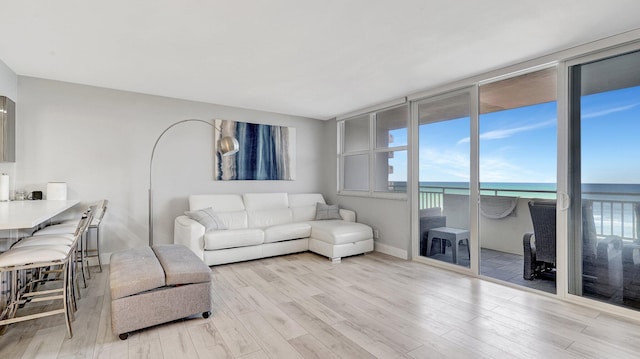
{"x": 336, "y": 239}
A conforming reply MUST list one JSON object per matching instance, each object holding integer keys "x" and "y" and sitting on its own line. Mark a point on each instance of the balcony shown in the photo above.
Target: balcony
{"x": 501, "y": 240}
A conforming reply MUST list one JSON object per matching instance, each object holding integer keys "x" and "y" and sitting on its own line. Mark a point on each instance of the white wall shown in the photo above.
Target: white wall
{"x": 99, "y": 141}
{"x": 391, "y": 218}
{"x": 506, "y": 234}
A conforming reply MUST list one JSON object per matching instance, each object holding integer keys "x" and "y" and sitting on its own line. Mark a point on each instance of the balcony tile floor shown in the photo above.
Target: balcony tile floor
{"x": 502, "y": 266}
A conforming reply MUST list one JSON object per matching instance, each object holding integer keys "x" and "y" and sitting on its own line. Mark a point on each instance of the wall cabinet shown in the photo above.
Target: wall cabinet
{"x": 7, "y": 130}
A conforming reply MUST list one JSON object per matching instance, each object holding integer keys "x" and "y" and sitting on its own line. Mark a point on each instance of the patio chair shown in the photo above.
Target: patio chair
{"x": 601, "y": 258}
{"x": 540, "y": 246}
{"x": 631, "y": 266}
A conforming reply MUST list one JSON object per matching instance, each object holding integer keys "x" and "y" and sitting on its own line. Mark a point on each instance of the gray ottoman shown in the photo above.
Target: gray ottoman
{"x": 151, "y": 286}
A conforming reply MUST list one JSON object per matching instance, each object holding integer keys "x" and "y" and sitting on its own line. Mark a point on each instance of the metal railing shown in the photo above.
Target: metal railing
{"x": 616, "y": 218}
{"x": 612, "y": 214}
{"x": 428, "y": 199}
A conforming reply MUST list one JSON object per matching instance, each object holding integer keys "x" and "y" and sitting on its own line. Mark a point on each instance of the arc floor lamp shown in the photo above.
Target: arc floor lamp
{"x": 227, "y": 145}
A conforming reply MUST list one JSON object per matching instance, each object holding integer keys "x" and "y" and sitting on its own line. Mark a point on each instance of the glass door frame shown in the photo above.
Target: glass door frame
{"x": 474, "y": 188}
{"x": 566, "y": 229}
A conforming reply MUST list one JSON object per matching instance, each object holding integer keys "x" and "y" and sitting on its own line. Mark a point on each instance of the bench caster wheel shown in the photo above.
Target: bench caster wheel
{"x": 206, "y": 315}
{"x": 123, "y": 336}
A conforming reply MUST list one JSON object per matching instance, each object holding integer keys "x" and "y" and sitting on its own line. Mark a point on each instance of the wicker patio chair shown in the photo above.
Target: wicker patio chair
{"x": 601, "y": 257}
{"x": 540, "y": 246}
{"x": 602, "y": 268}
{"x": 631, "y": 266}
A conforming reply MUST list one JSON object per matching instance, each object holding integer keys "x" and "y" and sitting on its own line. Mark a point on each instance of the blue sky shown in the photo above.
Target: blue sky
{"x": 611, "y": 137}
{"x": 520, "y": 145}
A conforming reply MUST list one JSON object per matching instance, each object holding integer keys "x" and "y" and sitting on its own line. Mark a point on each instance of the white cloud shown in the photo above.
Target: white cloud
{"x": 608, "y": 111}
{"x": 447, "y": 165}
{"x": 508, "y": 132}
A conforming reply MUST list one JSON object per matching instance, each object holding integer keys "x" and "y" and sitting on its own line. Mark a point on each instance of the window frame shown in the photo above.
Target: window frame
{"x": 372, "y": 151}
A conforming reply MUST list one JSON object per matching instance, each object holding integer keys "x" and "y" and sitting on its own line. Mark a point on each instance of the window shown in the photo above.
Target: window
{"x": 390, "y": 168}
{"x": 356, "y": 154}
{"x": 374, "y": 152}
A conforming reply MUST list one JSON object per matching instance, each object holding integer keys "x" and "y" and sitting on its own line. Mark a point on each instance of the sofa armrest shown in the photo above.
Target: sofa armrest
{"x": 189, "y": 233}
{"x": 348, "y": 215}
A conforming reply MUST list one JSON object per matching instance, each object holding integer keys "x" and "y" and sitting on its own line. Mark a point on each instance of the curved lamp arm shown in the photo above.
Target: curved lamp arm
{"x": 226, "y": 146}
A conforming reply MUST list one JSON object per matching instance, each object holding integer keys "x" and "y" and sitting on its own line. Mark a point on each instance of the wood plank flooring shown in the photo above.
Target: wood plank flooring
{"x": 369, "y": 306}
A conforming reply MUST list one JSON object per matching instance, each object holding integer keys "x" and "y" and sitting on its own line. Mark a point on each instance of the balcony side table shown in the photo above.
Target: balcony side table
{"x": 454, "y": 235}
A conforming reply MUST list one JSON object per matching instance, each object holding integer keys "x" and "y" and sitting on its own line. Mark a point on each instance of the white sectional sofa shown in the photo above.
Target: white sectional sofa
{"x": 269, "y": 224}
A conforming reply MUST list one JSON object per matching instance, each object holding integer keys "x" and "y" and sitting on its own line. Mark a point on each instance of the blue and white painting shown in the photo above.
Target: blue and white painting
{"x": 266, "y": 152}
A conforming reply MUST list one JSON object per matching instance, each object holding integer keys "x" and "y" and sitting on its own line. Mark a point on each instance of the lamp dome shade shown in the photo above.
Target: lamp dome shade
{"x": 228, "y": 146}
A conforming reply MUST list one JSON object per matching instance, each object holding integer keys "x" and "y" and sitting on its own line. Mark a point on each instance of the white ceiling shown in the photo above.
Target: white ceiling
{"x": 314, "y": 58}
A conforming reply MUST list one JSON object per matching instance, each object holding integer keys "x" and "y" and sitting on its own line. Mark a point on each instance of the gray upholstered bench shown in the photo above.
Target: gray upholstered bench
{"x": 151, "y": 286}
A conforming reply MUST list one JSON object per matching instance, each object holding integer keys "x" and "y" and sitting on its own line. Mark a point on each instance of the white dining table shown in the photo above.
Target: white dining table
{"x": 29, "y": 214}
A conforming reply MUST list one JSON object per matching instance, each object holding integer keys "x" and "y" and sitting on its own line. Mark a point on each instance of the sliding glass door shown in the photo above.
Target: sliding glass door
{"x": 444, "y": 174}
{"x": 604, "y": 246}
{"x": 517, "y": 154}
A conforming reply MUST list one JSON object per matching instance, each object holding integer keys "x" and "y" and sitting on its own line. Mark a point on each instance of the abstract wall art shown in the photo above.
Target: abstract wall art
{"x": 266, "y": 152}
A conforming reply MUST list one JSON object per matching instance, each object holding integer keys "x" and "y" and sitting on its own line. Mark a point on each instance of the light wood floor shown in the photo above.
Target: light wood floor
{"x": 302, "y": 306}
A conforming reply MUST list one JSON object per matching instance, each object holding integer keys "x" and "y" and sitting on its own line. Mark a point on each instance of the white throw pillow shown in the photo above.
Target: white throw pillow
{"x": 207, "y": 217}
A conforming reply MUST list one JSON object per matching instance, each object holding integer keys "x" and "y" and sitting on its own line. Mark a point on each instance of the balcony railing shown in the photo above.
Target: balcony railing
{"x": 615, "y": 217}
{"x": 614, "y": 213}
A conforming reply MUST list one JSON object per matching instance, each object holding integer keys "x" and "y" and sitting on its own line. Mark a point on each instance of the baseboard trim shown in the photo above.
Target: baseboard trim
{"x": 392, "y": 251}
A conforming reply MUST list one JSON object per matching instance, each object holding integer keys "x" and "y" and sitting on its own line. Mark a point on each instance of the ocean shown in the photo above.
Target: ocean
{"x": 616, "y": 191}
